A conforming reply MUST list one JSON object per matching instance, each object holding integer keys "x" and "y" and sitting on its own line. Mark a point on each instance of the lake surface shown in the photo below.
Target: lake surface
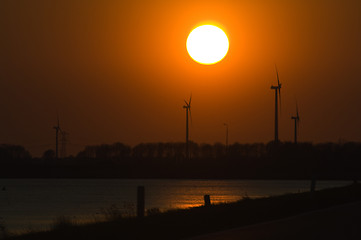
{"x": 34, "y": 204}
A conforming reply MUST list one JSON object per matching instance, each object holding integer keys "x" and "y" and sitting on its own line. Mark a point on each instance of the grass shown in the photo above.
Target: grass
{"x": 3, "y": 231}
{"x": 63, "y": 222}
{"x": 182, "y": 223}
{"x": 112, "y": 213}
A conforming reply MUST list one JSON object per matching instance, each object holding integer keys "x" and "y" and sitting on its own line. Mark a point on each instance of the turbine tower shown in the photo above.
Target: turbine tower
{"x": 64, "y": 140}
{"x": 57, "y": 129}
{"x": 277, "y": 96}
{"x": 187, "y": 107}
{"x": 297, "y": 121}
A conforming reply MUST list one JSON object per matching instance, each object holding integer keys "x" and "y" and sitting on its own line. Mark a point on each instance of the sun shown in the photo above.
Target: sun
{"x": 207, "y": 44}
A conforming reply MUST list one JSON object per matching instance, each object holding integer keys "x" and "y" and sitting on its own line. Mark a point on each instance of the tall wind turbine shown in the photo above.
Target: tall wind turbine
{"x": 187, "y": 107}
{"x": 277, "y": 95}
{"x": 57, "y": 129}
{"x": 297, "y": 121}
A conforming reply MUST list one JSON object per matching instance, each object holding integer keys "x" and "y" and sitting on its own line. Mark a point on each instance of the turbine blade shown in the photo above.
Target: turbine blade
{"x": 297, "y": 111}
{"x": 190, "y": 99}
{"x": 186, "y": 103}
{"x": 278, "y": 79}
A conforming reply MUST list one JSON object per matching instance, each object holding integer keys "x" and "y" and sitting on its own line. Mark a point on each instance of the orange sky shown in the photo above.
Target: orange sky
{"x": 119, "y": 71}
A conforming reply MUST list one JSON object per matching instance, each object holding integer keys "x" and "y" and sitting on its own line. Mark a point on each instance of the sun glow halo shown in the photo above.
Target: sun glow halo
{"x": 207, "y": 44}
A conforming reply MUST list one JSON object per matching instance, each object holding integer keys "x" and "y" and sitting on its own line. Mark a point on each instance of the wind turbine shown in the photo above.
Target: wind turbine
{"x": 297, "y": 121}
{"x": 57, "y": 129}
{"x": 187, "y": 107}
{"x": 277, "y": 92}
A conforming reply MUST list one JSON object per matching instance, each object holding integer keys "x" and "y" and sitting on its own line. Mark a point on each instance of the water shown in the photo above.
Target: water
{"x": 33, "y": 204}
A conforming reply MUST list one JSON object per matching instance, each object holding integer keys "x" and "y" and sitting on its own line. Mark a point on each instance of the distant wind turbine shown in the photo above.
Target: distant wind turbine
{"x": 187, "y": 107}
{"x": 277, "y": 95}
{"x": 57, "y": 129}
{"x": 297, "y": 121}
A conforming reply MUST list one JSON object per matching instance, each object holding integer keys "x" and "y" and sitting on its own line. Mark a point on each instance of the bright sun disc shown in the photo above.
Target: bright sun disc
{"x": 207, "y": 44}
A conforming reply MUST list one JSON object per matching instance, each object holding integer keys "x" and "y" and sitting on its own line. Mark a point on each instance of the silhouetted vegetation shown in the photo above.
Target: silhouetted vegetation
{"x": 63, "y": 222}
{"x": 3, "y": 231}
{"x": 13, "y": 153}
{"x": 167, "y": 160}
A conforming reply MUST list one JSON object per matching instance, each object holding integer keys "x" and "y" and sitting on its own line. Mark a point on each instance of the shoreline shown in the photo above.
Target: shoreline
{"x": 186, "y": 223}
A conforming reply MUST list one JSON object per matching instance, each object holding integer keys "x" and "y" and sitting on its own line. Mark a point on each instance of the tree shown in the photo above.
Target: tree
{"x": 49, "y": 154}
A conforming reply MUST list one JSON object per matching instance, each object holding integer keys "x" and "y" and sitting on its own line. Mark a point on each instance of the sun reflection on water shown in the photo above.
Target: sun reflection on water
{"x": 198, "y": 200}
{"x": 182, "y": 195}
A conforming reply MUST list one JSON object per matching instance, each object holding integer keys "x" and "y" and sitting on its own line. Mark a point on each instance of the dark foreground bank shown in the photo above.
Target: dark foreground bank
{"x": 186, "y": 223}
{"x": 333, "y": 223}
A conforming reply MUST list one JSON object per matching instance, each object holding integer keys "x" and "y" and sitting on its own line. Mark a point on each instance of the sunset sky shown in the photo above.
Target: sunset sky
{"x": 119, "y": 71}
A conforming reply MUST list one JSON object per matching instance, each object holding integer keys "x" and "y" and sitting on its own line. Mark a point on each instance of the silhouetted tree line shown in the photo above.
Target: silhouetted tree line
{"x": 167, "y": 160}
{"x": 13, "y": 153}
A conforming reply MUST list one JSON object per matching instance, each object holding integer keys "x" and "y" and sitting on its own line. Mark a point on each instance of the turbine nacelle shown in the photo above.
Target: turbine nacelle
{"x": 188, "y": 106}
{"x": 57, "y": 128}
{"x": 297, "y": 115}
{"x": 276, "y": 87}
{"x": 297, "y": 122}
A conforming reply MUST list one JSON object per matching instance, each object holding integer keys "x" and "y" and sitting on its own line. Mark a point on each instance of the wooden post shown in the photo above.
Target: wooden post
{"x": 207, "y": 201}
{"x": 313, "y": 187}
{"x": 313, "y": 184}
{"x": 140, "y": 201}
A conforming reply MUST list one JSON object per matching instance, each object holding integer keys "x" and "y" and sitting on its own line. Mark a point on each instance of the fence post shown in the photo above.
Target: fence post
{"x": 207, "y": 201}
{"x": 313, "y": 184}
{"x": 140, "y": 201}
{"x": 313, "y": 187}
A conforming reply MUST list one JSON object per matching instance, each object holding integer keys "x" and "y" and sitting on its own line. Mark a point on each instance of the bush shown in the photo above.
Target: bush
{"x": 63, "y": 222}
{"x": 153, "y": 211}
{"x": 112, "y": 213}
{"x": 3, "y": 231}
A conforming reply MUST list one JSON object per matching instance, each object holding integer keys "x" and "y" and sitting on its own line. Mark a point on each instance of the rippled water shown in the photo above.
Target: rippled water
{"x": 27, "y": 204}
